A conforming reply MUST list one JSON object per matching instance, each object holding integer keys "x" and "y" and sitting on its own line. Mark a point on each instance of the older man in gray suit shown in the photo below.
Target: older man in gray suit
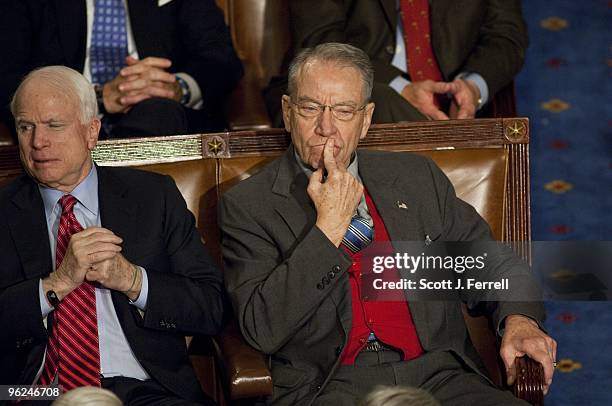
{"x": 293, "y": 268}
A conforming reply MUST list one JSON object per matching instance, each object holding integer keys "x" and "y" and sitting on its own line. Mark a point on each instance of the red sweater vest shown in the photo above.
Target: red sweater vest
{"x": 391, "y": 322}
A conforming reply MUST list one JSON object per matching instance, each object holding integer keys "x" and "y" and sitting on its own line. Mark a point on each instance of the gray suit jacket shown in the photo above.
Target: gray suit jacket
{"x": 275, "y": 261}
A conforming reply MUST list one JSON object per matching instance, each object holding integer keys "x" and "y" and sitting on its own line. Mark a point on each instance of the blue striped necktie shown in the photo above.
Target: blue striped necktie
{"x": 359, "y": 234}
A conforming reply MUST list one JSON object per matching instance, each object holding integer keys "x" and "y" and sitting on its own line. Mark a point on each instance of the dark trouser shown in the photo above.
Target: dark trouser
{"x": 158, "y": 116}
{"x": 133, "y": 392}
{"x": 439, "y": 373}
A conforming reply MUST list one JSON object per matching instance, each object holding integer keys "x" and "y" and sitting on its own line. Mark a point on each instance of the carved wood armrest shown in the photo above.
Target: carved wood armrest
{"x": 529, "y": 383}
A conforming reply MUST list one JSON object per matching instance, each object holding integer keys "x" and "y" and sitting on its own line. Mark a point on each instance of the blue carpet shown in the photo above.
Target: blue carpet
{"x": 564, "y": 89}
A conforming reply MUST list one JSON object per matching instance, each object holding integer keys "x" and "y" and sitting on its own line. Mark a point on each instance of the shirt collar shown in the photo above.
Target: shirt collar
{"x": 86, "y": 193}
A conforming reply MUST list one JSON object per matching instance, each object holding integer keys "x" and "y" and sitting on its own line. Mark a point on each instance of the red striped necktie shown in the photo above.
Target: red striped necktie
{"x": 73, "y": 349}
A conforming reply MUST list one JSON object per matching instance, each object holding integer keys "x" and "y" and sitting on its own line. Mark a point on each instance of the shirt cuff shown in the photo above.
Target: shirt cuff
{"x": 45, "y": 307}
{"x": 399, "y": 83}
{"x": 195, "y": 101}
{"x": 141, "y": 302}
{"x": 480, "y": 83}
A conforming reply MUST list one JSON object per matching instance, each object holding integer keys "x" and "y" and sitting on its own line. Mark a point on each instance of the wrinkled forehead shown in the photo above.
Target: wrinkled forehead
{"x": 39, "y": 96}
{"x": 330, "y": 76}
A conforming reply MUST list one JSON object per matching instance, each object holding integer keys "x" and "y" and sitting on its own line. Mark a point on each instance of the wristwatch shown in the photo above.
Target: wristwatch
{"x": 185, "y": 92}
{"x": 52, "y": 298}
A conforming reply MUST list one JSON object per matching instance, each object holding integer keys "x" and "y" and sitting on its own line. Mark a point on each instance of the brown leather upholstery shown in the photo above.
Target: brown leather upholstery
{"x": 260, "y": 33}
{"x": 486, "y": 160}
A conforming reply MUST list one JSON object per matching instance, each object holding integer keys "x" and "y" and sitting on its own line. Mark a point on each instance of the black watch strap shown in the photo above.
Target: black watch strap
{"x": 52, "y": 298}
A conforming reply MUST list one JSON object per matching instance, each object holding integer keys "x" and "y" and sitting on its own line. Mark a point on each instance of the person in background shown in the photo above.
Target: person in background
{"x": 158, "y": 67}
{"x": 433, "y": 59}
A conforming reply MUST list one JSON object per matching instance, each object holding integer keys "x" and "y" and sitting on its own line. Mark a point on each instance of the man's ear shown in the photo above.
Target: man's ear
{"x": 286, "y": 105}
{"x": 367, "y": 120}
{"x": 93, "y": 131}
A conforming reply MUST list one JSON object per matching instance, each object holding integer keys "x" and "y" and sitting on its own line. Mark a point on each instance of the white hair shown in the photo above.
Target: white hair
{"x": 68, "y": 82}
{"x": 88, "y": 396}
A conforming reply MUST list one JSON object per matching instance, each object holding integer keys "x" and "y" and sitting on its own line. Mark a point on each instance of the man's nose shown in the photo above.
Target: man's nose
{"x": 326, "y": 125}
{"x": 40, "y": 138}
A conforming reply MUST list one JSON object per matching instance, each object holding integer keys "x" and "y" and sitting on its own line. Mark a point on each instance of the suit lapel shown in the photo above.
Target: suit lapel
{"x": 390, "y": 12}
{"x": 71, "y": 18}
{"x": 141, "y": 14}
{"x": 116, "y": 210}
{"x": 294, "y": 205}
{"x": 392, "y": 195}
{"x": 28, "y": 225}
{"x": 120, "y": 215}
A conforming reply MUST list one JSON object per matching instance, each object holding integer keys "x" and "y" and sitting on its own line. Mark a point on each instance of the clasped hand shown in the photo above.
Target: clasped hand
{"x": 138, "y": 81}
{"x": 464, "y": 103}
{"x": 336, "y": 197}
{"x": 94, "y": 255}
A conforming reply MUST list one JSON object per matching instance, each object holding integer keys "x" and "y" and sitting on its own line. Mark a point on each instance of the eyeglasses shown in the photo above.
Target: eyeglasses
{"x": 343, "y": 112}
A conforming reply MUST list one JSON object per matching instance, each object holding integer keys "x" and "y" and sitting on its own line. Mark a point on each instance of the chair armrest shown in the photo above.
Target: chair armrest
{"x": 529, "y": 382}
{"x": 245, "y": 370}
{"x": 246, "y": 109}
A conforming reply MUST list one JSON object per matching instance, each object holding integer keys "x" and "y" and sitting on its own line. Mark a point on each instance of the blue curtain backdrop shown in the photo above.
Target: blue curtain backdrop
{"x": 564, "y": 89}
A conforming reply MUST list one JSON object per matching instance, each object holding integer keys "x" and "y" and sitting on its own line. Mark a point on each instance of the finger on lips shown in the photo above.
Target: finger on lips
{"x": 328, "y": 155}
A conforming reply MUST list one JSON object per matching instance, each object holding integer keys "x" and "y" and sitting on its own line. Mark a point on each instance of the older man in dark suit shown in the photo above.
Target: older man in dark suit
{"x": 103, "y": 272}
{"x": 159, "y": 67}
{"x": 293, "y": 265}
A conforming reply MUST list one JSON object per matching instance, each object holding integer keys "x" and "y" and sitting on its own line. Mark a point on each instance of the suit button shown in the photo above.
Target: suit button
{"x": 390, "y": 49}
{"x": 325, "y": 280}
{"x": 320, "y": 286}
{"x": 331, "y": 275}
{"x": 338, "y": 350}
{"x": 318, "y": 387}
{"x": 336, "y": 268}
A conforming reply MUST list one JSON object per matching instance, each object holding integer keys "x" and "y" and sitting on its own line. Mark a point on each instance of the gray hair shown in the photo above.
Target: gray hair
{"x": 66, "y": 81}
{"x": 344, "y": 55}
{"x": 399, "y": 396}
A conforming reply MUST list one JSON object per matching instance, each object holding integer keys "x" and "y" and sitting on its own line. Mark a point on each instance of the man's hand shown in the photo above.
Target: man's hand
{"x": 522, "y": 336}
{"x": 421, "y": 96}
{"x": 87, "y": 247}
{"x": 117, "y": 273}
{"x": 336, "y": 199}
{"x": 465, "y": 99}
{"x": 140, "y": 80}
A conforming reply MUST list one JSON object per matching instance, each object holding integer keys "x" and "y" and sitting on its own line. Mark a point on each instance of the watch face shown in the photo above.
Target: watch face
{"x": 52, "y": 298}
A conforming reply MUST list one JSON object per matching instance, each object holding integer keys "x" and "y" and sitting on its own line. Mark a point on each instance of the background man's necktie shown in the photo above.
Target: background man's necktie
{"x": 422, "y": 63}
{"x": 72, "y": 349}
{"x": 108, "y": 40}
{"x": 359, "y": 234}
